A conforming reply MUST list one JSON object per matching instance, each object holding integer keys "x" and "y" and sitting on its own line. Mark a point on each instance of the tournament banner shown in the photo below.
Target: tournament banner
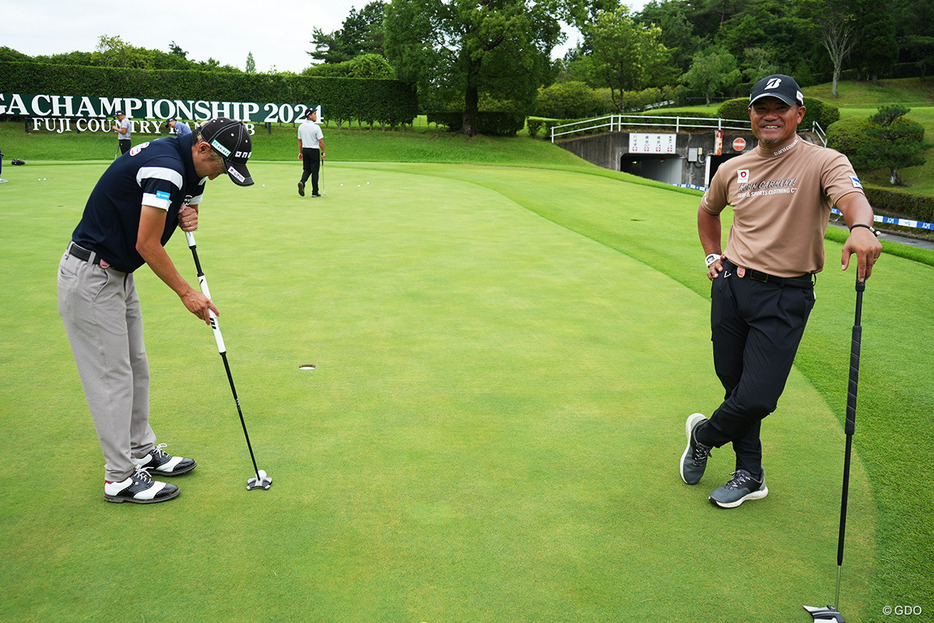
{"x": 81, "y": 113}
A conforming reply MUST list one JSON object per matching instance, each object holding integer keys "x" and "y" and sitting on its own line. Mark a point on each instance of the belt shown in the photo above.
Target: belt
{"x": 83, "y": 254}
{"x": 801, "y": 281}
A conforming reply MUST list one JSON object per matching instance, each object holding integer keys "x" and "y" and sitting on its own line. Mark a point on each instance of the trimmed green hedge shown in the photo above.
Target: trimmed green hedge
{"x": 489, "y": 123}
{"x": 816, "y": 110}
{"x": 900, "y": 203}
{"x": 344, "y": 99}
{"x": 849, "y": 135}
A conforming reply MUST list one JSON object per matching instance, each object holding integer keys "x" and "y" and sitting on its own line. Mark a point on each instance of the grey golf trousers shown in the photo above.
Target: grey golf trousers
{"x": 101, "y": 312}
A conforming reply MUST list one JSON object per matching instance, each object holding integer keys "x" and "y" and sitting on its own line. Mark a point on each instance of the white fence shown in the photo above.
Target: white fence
{"x": 616, "y": 123}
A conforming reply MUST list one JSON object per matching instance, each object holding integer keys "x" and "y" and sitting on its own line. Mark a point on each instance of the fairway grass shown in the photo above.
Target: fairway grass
{"x": 504, "y": 360}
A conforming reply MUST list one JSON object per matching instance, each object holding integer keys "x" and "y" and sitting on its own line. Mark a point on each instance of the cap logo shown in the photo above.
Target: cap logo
{"x": 223, "y": 150}
{"x": 232, "y": 172}
{"x": 773, "y": 83}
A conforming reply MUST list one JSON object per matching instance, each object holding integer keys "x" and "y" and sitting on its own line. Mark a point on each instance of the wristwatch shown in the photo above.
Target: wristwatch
{"x": 874, "y": 231}
{"x": 710, "y": 259}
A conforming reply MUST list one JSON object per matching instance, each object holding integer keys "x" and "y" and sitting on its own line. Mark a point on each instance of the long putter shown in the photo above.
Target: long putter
{"x": 831, "y": 613}
{"x": 262, "y": 481}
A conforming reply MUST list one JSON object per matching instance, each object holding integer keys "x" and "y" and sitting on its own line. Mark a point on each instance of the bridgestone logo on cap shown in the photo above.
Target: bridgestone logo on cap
{"x": 223, "y": 150}
{"x": 235, "y": 174}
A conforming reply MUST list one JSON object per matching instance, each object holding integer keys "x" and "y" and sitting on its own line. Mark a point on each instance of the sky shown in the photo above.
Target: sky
{"x": 279, "y": 38}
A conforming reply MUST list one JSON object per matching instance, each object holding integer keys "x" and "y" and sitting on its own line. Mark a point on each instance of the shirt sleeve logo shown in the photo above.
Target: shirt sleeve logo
{"x": 135, "y": 150}
{"x": 161, "y": 194}
{"x": 856, "y": 182}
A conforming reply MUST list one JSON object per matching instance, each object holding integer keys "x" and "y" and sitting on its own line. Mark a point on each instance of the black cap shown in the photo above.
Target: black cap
{"x": 310, "y": 108}
{"x": 778, "y": 85}
{"x": 232, "y": 141}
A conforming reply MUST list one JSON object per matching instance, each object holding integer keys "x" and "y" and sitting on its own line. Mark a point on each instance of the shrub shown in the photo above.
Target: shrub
{"x": 569, "y": 99}
{"x": 737, "y": 108}
{"x": 815, "y": 110}
{"x": 900, "y": 203}
{"x": 489, "y": 123}
{"x": 848, "y": 135}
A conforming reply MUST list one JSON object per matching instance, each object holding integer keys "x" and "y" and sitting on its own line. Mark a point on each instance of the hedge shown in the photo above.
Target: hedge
{"x": 900, "y": 203}
{"x": 364, "y": 100}
{"x": 816, "y": 110}
{"x": 490, "y": 123}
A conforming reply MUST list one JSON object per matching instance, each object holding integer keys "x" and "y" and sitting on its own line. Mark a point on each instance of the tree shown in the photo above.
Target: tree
{"x": 895, "y": 142}
{"x": 115, "y": 52}
{"x": 876, "y": 48}
{"x": 672, "y": 16}
{"x": 361, "y": 33}
{"x": 250, "y": 66}
{"x": 713, "y": 71}
{"x": 758, "y": 64}
{"x": 464, "y": 49}
{"x": 626, "y": 55}
{"x": 176, "y": 50}
{"x": 835, "y": 25}
{"x": 914, "y": 21}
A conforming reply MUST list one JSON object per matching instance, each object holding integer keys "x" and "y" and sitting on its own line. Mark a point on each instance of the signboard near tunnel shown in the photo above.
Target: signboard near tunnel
{"x": 652, "y": 143}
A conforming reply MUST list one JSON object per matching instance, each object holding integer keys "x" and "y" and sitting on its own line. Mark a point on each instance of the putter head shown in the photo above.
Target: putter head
{"x": 262, "y": 482}
{"x": 825, "y": 615}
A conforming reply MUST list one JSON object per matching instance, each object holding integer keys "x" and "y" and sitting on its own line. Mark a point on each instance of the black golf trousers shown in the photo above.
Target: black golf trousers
{"x": 311, "y": 164}
{"x": 756, "y": 328}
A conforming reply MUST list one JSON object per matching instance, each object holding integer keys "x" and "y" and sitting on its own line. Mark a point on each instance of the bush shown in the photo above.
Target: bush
{"x": 569, "y": 99}
{"x": 371, "y": 66}
{"x": 848, "y": 135}
{"x": 383, "y": 101}
{"x": 815, "y": 110}
{"x": 489, "y": 123}
{"x": 737, "y": 108}
{"x": 900, "y": 203}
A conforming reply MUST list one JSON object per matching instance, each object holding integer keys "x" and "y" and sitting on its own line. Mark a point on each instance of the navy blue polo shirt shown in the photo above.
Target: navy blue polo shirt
{"x": 161, "y": 174}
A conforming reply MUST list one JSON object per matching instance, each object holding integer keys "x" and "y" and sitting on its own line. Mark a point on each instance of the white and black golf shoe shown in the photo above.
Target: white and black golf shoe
{"x": 139, "y": 488}
{"x": 159, "y": 463}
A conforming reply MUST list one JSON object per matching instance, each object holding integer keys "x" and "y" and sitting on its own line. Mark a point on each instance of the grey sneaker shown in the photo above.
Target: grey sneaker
{"x": 694, "y": 459}
{"x": 741, "y": 487}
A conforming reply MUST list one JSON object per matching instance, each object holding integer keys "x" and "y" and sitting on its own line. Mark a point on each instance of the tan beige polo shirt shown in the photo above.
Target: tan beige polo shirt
{"x": 781, "y": 205}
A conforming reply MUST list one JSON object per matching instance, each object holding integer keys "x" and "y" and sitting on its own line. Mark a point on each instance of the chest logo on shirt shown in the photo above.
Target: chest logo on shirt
{"x": 742, "y": 176}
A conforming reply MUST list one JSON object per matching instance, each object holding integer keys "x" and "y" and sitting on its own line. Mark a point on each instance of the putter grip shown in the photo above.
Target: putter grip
{"x": 221, "y": 348}
{"x": 203, "y": 283}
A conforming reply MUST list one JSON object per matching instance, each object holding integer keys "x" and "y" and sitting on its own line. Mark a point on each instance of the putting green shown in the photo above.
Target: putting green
{"x": 491, "y": 432}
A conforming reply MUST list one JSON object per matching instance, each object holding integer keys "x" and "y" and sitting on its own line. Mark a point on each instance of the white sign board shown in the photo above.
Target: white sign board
{"x": 652, "y": 143}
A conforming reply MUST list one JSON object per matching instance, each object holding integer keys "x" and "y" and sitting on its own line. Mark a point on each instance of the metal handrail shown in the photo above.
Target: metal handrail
{"x": 617, "y": 122}
{"x": 819, "y": 131}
